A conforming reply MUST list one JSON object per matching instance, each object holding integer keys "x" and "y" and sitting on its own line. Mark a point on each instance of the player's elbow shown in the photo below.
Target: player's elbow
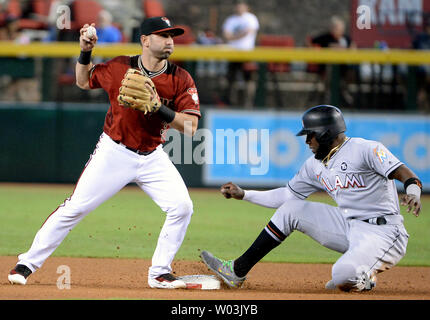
{"x": 85, "y": 85}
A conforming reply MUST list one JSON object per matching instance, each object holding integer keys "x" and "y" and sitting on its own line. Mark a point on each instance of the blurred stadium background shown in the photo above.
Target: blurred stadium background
{"x": 50, "y": 126}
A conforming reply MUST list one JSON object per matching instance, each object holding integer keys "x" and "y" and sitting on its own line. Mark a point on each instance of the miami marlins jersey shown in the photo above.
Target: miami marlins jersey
{"x": 356, "y": 177}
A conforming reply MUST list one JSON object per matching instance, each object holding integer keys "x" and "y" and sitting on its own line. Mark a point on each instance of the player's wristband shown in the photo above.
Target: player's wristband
{"x": 85, "y": 57}
{"x": 413, "y": 186}
{"x": 166, "y": 113}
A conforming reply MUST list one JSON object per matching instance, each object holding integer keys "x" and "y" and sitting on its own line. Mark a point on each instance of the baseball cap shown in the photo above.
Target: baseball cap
{"x": 156, "y": 25}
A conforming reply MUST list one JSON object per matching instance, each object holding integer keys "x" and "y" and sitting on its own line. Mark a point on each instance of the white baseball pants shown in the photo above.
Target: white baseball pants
{"x": 109, "y": 169}
{"x": 367, "y": 248}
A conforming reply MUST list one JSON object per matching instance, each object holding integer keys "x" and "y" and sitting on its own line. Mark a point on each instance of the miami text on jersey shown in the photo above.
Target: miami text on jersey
{"x": 348, "y": 180}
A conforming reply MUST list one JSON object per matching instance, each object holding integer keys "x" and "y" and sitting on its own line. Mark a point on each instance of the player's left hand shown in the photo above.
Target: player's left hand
{"x": 413, "y": 202}
{"x": 138, "y": 92}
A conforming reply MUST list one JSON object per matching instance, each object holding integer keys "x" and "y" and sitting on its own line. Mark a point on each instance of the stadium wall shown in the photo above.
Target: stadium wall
{"x": 51, "y": 142}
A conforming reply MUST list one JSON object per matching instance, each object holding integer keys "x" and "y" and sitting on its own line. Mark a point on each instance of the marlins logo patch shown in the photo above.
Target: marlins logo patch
{"x": 382, "y": 156}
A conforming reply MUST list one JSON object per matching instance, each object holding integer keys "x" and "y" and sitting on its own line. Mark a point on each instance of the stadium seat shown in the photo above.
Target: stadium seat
{"x": 40, "y": 8}
{"x": 186, "y": 38}
{"x": 14, "y": 8}
{"x": 312, "y": 67}
{"x": 84, "y": 11}
{"x": 153, "y": 8}
{"x": 269, "y": 40}
{"x": 273, "y": 68}
{"x": 318, "y": 74}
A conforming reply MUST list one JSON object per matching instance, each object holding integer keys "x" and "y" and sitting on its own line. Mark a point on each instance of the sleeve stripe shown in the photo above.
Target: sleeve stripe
{"x": 297, "y": 193}
{"x": 92, "y": 70}
{"x": 194, "y": 111}
{"x": 398, "y": 164}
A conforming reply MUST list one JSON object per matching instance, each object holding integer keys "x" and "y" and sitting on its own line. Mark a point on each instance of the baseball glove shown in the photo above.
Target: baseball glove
{"x": 137, "y": 91}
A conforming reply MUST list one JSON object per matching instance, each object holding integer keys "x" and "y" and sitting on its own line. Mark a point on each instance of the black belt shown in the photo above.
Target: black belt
{"x": 141, "y": 153}
{"x": 378, "y": 221}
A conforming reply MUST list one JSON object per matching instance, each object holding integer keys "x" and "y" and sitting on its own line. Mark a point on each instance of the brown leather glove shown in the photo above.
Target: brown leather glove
{"x": 137, "y": 91}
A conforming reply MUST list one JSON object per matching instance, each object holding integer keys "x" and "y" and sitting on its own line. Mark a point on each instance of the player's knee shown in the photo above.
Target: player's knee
{"x": 347, "y": 277}
{"x": 184, "y": 208}
{"x": 291, "y": 213}
{"x": 72, "y": 209}
{"x": 343, "y": 276}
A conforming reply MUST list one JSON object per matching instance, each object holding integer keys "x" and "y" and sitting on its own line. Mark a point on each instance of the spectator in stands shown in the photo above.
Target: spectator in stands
{"x": 209, "y": 71}
{"x": 208, "y": 37}
{"x": 422, "y": 42}
{"x": 240, "y": 32}
{"x": 106, "y": 31}
{"x": 128, "y": 14}
{"x": 335, "y": 37}
{"x": 14, "y": 86}
{"x": 8, "y": 22}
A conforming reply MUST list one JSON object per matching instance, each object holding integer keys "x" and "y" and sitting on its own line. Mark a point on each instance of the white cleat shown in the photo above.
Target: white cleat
{"x": 166, "y": 281}
{"x": 19, "y": 274}
{"x": 16, "y": 279}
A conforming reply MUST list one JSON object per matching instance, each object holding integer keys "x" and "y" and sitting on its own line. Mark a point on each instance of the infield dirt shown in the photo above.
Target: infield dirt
{"x": 127, "y": 279}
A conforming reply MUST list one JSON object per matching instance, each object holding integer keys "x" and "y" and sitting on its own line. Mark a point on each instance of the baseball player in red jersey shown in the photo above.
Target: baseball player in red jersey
{"x": 130, "y": 150}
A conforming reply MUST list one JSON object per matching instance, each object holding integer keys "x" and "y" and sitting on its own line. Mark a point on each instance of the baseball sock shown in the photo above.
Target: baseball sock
{"x": 261, "y": 246}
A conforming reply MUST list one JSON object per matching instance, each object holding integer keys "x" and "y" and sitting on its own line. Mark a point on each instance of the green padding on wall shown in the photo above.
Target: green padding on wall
{"x": 17, "y": 67}
{"x": 27, "y": 152}
{"x": 47, "y": 144}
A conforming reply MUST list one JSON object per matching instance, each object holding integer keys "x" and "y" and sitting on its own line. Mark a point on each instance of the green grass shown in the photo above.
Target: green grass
{"x": 127, "y": 226}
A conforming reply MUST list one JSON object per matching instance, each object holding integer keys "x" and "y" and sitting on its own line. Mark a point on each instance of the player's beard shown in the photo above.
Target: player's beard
{"x": 163, "y": 55}
{"x": 322, "y": 151}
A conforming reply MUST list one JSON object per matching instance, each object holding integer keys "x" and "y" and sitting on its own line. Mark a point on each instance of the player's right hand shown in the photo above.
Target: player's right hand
{"x": 231, "y": 190}
{"x": 86, "y": 43}
{"x": 413, "y": 203}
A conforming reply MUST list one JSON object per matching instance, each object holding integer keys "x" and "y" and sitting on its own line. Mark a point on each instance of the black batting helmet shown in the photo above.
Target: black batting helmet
{"x": 325, "y": 121}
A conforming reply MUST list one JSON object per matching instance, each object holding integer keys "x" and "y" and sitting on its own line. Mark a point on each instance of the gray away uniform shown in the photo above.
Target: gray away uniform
{"x": 356, "y": 177}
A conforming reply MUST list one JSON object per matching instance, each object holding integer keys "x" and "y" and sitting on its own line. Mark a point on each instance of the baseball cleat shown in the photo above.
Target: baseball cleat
{"x": 19, "y": 274}
{"x": 366, "y": 283}
{"x": 166, "y": 281}
{"x": 223, "y": 269}
{"x": 363, "y": 284}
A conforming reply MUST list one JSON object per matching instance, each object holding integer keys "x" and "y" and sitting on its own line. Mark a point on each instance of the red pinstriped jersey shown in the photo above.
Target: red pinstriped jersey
{"x": 134, "y": 129}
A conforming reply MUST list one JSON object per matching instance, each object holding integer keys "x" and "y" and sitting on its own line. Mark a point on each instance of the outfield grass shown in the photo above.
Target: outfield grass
{"x": 127, "y": 226}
